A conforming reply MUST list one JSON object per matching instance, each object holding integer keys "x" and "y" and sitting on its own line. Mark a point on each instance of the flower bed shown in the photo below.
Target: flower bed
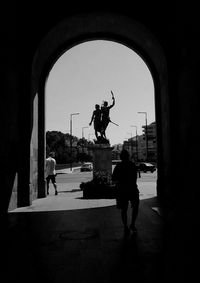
{"x": 94, "y": 190}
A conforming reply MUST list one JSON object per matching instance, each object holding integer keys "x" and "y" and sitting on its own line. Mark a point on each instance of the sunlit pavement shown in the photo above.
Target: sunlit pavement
{"x": 70, "y": 196}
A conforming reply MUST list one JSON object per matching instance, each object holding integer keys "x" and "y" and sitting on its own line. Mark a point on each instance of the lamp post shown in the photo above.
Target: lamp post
{"x": 71, "y": 138}
{"x": 146, "y": 135}
{"x": 83, "y": 131}
{"x": 83, "y": 137}
{"x": 136, "y": 143}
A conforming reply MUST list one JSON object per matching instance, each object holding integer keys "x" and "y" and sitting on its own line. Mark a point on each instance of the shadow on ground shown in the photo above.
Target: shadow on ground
{"x": 84, "y": 246}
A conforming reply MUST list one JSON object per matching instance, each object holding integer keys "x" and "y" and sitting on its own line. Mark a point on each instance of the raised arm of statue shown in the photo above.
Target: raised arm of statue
{"x": 113, "y": 100}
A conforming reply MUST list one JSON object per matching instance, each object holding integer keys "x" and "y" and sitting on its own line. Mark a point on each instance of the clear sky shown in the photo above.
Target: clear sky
{"x": 85, "y": 75}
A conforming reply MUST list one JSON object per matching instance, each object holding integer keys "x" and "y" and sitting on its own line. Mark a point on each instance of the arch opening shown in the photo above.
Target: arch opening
{"x": 129, "y": 34}
{"x": 83, "y": 76}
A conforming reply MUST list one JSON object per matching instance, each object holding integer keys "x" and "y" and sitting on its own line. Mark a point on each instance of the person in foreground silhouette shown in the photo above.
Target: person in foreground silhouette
{"x": 125, "y": 177}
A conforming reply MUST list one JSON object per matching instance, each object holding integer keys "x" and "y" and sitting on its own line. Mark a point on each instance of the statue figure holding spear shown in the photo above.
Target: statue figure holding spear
{"x": 105, "y": 117}
{"x": 101, "y": 118}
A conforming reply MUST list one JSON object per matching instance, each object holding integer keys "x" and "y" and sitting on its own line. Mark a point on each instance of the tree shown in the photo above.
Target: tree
{"x": 60, "y": 143}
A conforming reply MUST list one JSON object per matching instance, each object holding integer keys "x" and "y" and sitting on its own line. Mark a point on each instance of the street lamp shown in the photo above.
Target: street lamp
{"x": 83, "y": 131}
{"x": 71, "y": 138}
{"x": 83, "y": 137}
{"x": 136, "y": 143}
{"x": 146, "y": 135}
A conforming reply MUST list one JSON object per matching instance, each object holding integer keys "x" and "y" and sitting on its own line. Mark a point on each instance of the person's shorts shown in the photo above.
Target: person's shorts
{"x": 51, "y": 178}
{"x": 123, "y": 201}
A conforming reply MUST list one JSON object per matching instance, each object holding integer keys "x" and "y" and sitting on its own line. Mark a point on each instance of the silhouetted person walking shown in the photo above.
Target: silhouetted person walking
{"x": 125, "y": 177}
{"x": 51, "y": 172}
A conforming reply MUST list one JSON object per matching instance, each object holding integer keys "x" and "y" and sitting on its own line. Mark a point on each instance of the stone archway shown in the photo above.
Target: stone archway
{"x": 85, "y": 27}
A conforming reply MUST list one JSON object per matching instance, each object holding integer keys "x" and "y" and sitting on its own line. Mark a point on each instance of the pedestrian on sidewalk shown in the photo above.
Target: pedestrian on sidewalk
{"x": 125, "y": 178}
{"x": 51, "y": 172}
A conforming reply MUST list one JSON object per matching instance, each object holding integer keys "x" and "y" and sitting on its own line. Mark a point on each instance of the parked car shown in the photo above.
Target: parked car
{"x": 145, "y": 167}
{"x": 87, "y": 166}
{"x": 115, "y": 161}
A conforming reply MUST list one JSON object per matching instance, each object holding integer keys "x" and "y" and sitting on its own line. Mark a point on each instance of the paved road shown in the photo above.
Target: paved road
{"x": 146, "y": 184}
{"x": 70, "y": 196}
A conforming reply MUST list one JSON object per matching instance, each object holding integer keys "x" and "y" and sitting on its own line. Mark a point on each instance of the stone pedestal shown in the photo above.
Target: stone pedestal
{"x": 100, "y": 186}
{"x": 102, "y": 161}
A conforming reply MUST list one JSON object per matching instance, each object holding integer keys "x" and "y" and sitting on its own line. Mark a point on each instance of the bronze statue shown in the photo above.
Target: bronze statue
{"x": 101, "y": 118}
{"x": 96, "y": 117}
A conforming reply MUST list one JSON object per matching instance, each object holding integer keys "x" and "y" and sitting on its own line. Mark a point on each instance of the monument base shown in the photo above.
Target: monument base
{"x": 101, "y": 185}
{"x": 91, "y": 190}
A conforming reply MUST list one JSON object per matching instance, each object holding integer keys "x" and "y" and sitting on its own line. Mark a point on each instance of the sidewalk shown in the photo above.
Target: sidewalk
{"x": 84, "y": 245}
{"x": 68, "y": 170}
{"x": 70, "y": 196}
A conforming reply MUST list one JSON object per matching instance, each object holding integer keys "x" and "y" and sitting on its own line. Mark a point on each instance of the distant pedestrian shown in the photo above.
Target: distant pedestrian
{"x": 51, "y": 172}
{"x": 125, "y": 177}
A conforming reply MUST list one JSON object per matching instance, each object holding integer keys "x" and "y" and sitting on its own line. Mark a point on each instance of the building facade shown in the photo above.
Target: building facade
{"x": 137, "y": 146}
{"x": 151, "y": 153}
